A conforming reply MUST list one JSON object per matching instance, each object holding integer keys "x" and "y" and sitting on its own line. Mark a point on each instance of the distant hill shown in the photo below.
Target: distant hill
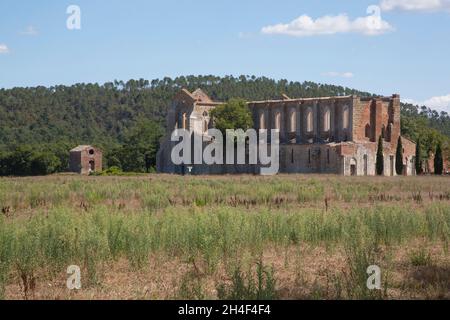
{"x": 60, "y": 117}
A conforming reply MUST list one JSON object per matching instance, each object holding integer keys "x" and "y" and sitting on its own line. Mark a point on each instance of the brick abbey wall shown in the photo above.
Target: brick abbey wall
{"x": 372, "y": 117}
{"x": 318, "y": 135}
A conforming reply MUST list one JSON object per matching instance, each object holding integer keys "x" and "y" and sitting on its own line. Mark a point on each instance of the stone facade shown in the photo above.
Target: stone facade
{"x": 85, "y": 159}
{"x": 334, "y": 135}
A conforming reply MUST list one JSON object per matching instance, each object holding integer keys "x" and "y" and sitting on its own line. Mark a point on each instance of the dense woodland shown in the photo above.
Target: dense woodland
{"x": 38, "y": 126}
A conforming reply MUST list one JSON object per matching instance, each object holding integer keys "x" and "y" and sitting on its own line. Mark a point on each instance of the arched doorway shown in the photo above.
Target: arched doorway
{"x": 353, "y": 167}
{"x": 91, "y": 165}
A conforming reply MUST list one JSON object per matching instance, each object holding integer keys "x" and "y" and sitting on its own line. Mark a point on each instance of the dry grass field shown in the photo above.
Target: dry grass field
{"x": 241, "y": 237}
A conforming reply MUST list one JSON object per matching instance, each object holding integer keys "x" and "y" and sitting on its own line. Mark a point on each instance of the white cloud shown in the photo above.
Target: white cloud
{"x": 305, "y": 26}
{"x": 29, "y": 31}
{"x": 3, "y": 48}
{"x": 441, "y": 103}
{"x": 410, "y": 101}
{"x": 438, "y": 103}
{"x": 339, "y": 74}
{"x": 415, "y": 5}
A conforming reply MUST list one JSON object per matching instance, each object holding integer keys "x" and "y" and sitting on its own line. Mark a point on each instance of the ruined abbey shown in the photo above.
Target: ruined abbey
{"x": 332, "y": 135}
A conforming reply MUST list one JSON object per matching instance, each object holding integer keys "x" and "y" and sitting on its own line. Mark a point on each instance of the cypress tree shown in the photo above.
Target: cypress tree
{"x": 438, "y": 161}
{"x": 418, "y": 158}
{"x": 380, "y": 158}
{"x": 399, "y": 157}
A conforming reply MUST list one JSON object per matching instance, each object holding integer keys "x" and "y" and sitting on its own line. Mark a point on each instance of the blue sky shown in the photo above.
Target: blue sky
{"x": 406, "y": 53}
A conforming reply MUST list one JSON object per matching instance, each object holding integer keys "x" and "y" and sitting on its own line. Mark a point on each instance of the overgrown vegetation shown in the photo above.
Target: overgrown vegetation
{"x": 420, "y": 258}
{"x": 253, "y": 285}
{"x": 212, "y": 230}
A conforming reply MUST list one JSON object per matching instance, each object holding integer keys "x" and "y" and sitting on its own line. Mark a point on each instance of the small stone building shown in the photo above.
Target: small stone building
{"x": 85, "y": 159}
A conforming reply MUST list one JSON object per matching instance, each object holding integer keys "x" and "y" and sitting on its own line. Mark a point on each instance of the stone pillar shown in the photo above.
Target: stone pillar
{"x": 316, "y": 112}
{"x": 283, "y": 126}
{"x": 332, "y": 122}
{"x": 299, "y": 123}
{"x": 269, "y": 121}
{"x": 379, "y": 119}
{"x": 373, "y": 123}
{"x": 337, "y": 121}
{"x": 395, "y": 133}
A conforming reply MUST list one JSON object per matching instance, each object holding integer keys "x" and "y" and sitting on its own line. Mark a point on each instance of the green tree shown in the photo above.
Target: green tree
{"x": 113, "y": 156}
{"x": 233, "y": 115}
{"x": 380, "y": 158}
{"x": 43, "y": 163}
{"x": 19, "y": 162}
{"x": 61, "y": 151}
{"x": 28, "y": 161}
{"x": 131, "y": 159}
{"x": 419, "y": 169}
{"x": 138, "y": 153}
{"x": 4, "y": 163}
{"x": 438, "y": 161}
{"x": 399, "y": 157}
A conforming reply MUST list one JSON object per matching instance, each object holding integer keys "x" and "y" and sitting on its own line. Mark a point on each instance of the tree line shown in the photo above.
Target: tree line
{"x": 39, "y": 125}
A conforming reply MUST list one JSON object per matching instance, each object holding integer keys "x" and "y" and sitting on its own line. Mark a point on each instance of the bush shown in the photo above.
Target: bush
{"x": 26, "y": 161}
{"x": 245, "y": 287}
{"x": 420, "y": 258}
{"x": 115, "y": 171}
{"x": 44, "y": 163}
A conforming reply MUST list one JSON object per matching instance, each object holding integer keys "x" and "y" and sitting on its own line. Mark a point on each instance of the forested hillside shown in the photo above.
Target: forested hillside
{"x": 39, "y": 125}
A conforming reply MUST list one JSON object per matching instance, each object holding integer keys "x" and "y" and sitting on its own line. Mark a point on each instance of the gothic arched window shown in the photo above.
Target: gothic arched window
{"x": 278, "y": 121}
{"x": 327, "y": 120}
{"x": 309, "y": 120}
{"x": 262, "y": 121}
{"x": 346, "y": 117}
{"x": 367, "y": 130}
{"x": 292, "y": 121}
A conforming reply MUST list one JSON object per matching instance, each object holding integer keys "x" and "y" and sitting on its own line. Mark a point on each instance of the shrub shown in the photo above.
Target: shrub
{"x": 244, "y": 286}
{"x": 420, "y": 258}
